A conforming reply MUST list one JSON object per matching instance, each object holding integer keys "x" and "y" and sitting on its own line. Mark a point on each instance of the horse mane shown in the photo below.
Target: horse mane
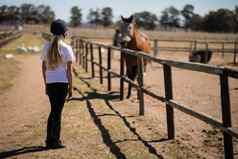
{"x": 140, "y": 41}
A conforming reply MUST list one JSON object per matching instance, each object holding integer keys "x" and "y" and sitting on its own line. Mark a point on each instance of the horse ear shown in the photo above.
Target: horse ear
{"x": 131, "y": 18}
{"x": 122, "y": 18}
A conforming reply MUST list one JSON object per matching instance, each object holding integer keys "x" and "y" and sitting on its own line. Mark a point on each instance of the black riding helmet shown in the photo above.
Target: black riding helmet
{"x": 58, "y": 27}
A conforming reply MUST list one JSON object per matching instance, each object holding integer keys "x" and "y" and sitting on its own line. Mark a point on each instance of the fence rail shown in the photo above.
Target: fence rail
{"x": 8, "y": 36}
{"x": 221, "y": 46}
{"x": 82, "y": 53}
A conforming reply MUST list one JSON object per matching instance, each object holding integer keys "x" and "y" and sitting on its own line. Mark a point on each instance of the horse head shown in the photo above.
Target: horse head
{"x": 127, "y": 29}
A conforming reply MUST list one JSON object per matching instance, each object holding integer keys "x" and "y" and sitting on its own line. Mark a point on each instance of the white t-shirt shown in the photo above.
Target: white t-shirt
{"x": 59, "y": 74}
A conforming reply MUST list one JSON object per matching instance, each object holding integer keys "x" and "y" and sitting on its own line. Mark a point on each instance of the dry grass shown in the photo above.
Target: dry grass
{"x": 8, "y": 70}
{"x": 10, "y": 67}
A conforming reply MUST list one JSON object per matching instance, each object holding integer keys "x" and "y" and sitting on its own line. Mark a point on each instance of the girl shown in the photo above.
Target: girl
{"x": 57, "y": 58}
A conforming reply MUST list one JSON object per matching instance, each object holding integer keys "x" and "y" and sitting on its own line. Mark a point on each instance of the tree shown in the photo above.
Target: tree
{"x": 187, "y": 13}
{"x": 94, "y": 16}
{"x": 170, "y": 17}
{"x": 174, "y": 16}
{"x": 76, "y": 16}
{"x": 221, "y": 20}
{"x": 26, "y": 13}
{"x": 164, "y": 19}
{"x": 106, "y": 16}
{"x": 26, "y": 10}
{"x": 236, "y": 18}
{"x": 147, "y": 20}
{"x": 196, "y": 22}
{"x": 49, "y": 15}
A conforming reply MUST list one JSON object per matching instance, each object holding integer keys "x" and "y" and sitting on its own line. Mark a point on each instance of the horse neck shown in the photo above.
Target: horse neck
{"x": 134, "y": 40}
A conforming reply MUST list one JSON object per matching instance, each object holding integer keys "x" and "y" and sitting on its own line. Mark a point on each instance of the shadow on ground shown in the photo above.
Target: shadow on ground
{"x": 107, "y": 98}
{"x": 24, "y": 150}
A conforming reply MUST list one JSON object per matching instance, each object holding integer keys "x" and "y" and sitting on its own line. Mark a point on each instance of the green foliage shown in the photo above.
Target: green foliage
{"x": 147, "y": 20}
{"x": 222, "y": 20}
{"x": 76, "y": 16}
{"x": 170, "y": 17}
{"x": 26, "y": 13}
{"x": 94, "y": 16}
{"x": 107, "y": 15}
{"x": 188, "y": 13}
{"x": 101, "y": 16}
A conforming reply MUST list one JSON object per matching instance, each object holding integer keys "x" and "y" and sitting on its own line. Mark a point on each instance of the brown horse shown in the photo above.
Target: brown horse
{"x": 132, "y": 39}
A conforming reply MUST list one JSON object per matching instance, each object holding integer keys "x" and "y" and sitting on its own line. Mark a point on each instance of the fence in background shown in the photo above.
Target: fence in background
{"x": 222, "y": 47}
{"x": 217, "y": 47}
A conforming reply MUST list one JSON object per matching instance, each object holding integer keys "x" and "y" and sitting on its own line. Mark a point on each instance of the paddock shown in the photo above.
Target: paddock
{"x": 205, "y": 88}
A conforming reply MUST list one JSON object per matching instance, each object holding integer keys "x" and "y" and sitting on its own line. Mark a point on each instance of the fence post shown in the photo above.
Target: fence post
{"x": 235, "y": 51}
{"x": 100, "y": 63}
{"x": 195, "y": 45}
{"x": 122, "y": 70}
{"x": 226, "y": 114}
{"x": 206, "y": 55}
{"x": 141, "y": 85}
{"x": 74, "y": 47}
{"x": 191, "y": 46}
{"x": 168, "y": 96}
{"x": 84, "y": 54}
{"x": 92, "y": 60}
{"x": 109, "y": 68}
{"x": 80, "y": 51}
{"x": 155, "y": 47}
{"x": 86, "y": 58}
{"x": 223, "y": 49}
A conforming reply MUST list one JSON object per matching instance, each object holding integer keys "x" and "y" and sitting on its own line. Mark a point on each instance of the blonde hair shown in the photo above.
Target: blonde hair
{"x": 54, "y": 57}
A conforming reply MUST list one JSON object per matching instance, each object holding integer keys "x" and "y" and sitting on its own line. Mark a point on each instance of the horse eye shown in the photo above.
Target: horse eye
{"x": 129, "y": 27}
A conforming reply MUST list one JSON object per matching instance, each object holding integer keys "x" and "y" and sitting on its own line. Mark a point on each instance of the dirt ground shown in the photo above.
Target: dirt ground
{"x": 97, "y": 125}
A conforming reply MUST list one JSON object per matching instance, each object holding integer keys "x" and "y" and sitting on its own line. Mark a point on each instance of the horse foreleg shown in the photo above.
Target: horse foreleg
{"x": 129, "y": 90}
{"x": 145, "y": 64}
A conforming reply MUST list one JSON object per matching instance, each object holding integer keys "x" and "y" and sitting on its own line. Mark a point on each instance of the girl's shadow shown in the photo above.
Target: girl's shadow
{"x": 24, "y": 150}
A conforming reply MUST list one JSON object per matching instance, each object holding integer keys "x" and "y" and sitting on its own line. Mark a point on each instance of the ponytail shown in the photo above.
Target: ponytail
{"x": 54, "y": 57}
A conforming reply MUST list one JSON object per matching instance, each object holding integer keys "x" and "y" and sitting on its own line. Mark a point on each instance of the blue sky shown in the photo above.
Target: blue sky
{"x": 125, "y": 7}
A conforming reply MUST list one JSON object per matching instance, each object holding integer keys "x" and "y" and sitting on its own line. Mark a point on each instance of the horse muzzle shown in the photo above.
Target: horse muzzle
{"x": 126, "y": 39}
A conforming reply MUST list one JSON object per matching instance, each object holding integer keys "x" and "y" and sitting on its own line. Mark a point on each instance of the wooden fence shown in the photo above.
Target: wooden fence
{"x": 85, "y": 53}
{"x": 7, "y": 37}
{"x": 223, "y": 47}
